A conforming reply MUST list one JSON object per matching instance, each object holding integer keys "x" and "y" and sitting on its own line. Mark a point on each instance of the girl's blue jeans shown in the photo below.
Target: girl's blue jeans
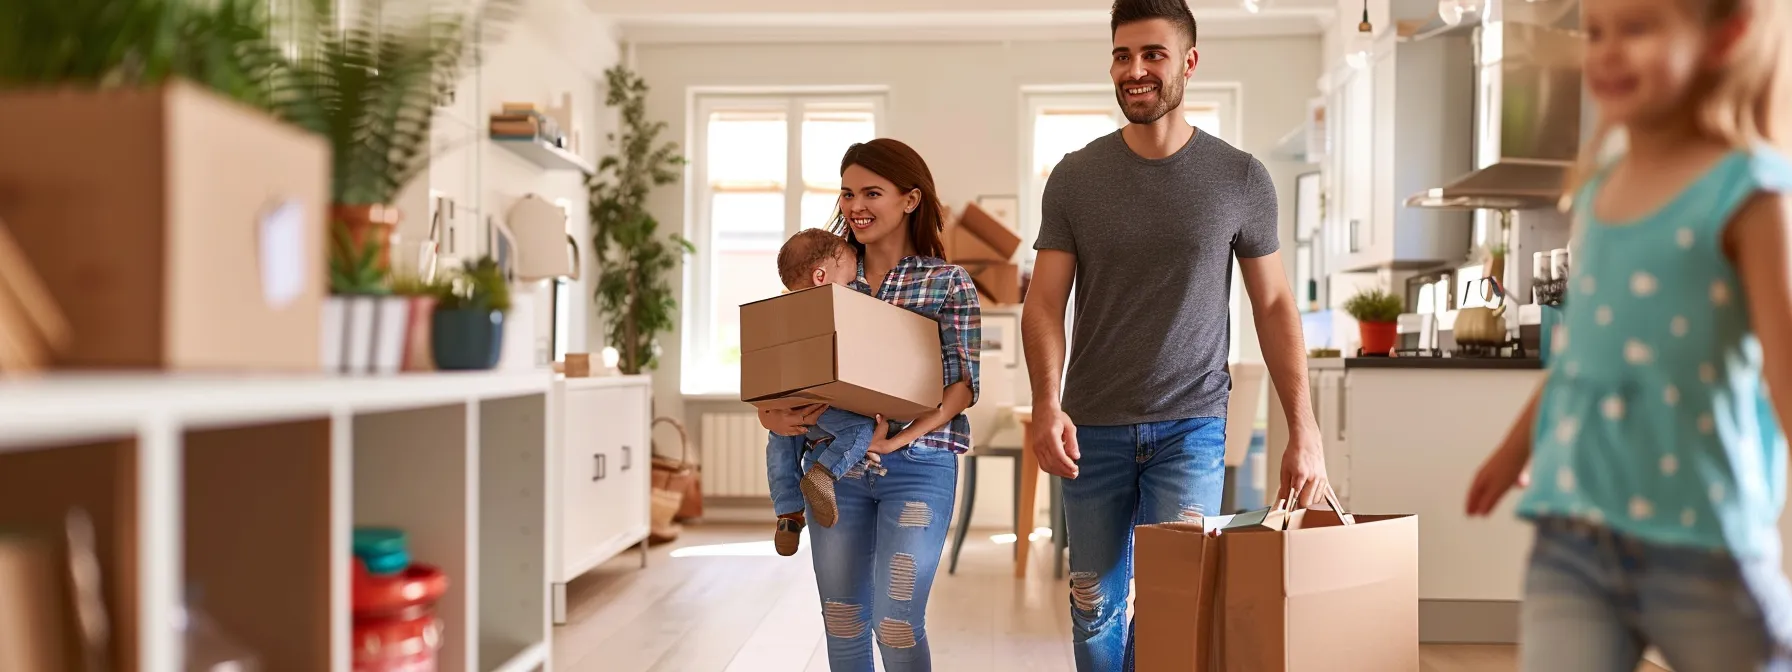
{"x": 1594, "y": 600}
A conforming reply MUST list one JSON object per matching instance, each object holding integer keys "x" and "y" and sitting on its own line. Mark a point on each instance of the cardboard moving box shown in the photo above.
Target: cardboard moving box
{"x": 174, "y": 229}
{"x": 983, "y": 225}
{"x": 964, "y": 247}
{"x": 999, "y": 282}
{"x": 1320, "y": 595}
{"x": 832, "y": 344}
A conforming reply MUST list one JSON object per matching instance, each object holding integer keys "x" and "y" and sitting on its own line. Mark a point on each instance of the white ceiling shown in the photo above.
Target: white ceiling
{"x": 674, "y": 21}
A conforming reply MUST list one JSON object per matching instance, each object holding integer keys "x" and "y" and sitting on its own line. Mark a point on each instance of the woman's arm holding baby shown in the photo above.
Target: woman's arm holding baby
{"x": 961, "y": 341}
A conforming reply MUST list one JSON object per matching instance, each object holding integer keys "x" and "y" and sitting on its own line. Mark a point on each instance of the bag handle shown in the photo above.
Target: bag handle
{"x": 1331, "y": 499}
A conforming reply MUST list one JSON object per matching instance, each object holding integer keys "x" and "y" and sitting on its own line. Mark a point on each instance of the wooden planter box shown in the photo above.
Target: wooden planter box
{"x": 175, "y": 228}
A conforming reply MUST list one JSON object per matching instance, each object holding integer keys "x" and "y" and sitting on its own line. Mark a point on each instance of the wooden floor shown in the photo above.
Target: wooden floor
{"x": 729, "y": 604}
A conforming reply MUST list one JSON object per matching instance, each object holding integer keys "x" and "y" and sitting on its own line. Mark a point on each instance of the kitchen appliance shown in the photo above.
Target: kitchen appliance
{"x": 1528, "y": 56}
{"x": 1480, "y": 325}
{"x": 544, "y": 249}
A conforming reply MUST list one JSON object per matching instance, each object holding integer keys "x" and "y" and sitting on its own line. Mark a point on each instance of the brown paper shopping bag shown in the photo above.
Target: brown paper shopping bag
{"x": 1333, "y": 592}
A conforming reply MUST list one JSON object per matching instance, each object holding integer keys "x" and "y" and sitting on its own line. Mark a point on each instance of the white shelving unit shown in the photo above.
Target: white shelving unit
{"x": 250, "y": 486}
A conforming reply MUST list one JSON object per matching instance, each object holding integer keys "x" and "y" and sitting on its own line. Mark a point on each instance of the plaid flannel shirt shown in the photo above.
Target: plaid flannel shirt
{"x": 943, "y": 292}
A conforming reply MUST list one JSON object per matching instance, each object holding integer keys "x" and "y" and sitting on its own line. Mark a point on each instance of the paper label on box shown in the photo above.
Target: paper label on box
{"x": 282, "y": 229}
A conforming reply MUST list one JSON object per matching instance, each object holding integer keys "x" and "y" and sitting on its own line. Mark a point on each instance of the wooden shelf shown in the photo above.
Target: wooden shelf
{"x": 75, "y": 407}
{"x": 541, "y": 153}
{"x": 192, "y": 478}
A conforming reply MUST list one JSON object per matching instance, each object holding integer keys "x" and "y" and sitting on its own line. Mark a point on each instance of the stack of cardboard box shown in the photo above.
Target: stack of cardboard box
{"x": 985, "y": 246}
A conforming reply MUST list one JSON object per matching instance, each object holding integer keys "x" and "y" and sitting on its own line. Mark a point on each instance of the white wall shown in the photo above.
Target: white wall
{"x": 557, "y": 48}
{"x": 960, "y": 106}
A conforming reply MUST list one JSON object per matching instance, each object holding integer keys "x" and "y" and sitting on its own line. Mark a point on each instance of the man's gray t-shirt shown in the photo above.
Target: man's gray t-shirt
{"x": 1154, "y": 241}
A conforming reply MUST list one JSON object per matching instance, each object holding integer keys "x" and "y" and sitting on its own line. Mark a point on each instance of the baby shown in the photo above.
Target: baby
{"x": 812, "y": 258}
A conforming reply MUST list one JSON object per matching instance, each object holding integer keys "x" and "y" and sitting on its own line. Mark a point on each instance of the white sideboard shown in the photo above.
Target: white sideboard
{"x": 600, "y": 466}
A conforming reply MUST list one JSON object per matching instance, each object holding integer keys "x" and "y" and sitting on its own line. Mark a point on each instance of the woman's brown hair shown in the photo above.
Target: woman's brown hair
{"x": 903, "y": 167}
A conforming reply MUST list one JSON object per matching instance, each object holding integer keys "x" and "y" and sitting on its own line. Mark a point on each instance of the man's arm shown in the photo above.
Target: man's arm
{"x": 1042, "y": 324}
{"x": 1042, "y": 338}
{"x": 1284, "y": 351}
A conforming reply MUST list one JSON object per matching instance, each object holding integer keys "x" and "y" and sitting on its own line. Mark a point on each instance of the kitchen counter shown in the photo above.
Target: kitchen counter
{"x": 1453, "y": 363}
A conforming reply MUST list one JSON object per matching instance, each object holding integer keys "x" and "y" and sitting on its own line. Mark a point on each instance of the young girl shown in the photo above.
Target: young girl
{"x": 1657, "y": 467}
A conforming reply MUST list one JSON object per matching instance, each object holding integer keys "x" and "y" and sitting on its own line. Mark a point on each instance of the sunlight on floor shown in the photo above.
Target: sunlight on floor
{"x": 749, "y": 549}
{"x": 1039, "y": 534}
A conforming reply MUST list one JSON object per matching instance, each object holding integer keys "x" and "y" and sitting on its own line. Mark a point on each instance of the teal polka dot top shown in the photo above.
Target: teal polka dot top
{"x": 1654, "y": 421}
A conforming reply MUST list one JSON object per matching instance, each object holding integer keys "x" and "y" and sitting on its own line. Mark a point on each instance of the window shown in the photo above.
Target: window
{"x": 1060, "y": 121}
{"x": 764, "y": 167}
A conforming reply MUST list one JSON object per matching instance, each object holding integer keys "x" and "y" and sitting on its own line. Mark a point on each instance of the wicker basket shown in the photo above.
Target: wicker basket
{"x": 674, "y": 481}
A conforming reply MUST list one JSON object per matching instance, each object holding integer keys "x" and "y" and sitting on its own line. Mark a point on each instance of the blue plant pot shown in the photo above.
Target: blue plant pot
{"x": 466, "y": 339}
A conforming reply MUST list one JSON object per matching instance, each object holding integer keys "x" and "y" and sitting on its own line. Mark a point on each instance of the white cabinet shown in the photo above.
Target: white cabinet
{"x": 600, "y": 459}
{"x": 1418, "y": 437}
{"x": 1403, "y": 124}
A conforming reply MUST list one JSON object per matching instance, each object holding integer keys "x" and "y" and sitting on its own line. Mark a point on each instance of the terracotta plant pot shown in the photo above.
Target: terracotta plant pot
{"x": 376, "y": 222}
{"x": 417, "y": 355}
{"x": 1378, "y": 337}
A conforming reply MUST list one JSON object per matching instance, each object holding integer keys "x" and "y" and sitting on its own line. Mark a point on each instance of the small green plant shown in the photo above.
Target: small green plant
{"x": 355, "y": 269}
{"x": 411, "y": 284}
{"x": 480, "y": 285}
{"x": 1375, "y": 306}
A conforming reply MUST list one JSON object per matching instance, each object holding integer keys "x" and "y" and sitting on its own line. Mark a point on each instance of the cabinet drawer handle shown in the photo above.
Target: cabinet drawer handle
{"x": 628, "y": 456}
{"x": 599, "y": 459}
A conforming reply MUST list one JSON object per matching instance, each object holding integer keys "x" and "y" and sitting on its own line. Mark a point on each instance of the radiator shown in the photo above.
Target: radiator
{"x": 733, "y": 455}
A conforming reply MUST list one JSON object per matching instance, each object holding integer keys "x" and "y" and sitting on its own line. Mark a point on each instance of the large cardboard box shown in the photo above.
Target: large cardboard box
{"x": 1319, "y": 595}
{"x": 964, "y": 247}
{"x": 999, "y": 282}
{"x": 983, "y": 225}
{"x": 174, "y": 228}
{"x": 832, "y": 344}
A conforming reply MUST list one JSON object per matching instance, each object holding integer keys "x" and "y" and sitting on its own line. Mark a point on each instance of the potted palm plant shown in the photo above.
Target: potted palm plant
{"x": 467, "y": 330}
{"x": 1377, "y": 314}
{"x": 633, "y": 259}
{"x": 371, "y": 85}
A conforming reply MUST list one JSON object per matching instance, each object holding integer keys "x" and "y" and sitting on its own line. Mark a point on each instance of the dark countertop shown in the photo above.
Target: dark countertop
{"x": 1461, "y": 363}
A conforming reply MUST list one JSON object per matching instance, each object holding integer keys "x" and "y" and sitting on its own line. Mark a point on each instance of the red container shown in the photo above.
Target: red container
{"x": 395, "y": 625}
{"x": 1378, "y": 337}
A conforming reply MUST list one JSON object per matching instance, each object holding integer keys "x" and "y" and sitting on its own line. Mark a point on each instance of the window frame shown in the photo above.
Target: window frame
{"x": 696, "y": 377}
{"x": 1228, "y": 97}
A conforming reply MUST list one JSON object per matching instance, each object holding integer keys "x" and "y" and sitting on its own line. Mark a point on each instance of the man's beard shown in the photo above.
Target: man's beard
{"x": 1169, "y": 97}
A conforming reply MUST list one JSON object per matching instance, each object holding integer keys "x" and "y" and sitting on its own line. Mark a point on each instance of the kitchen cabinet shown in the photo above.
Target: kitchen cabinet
{"x": 599, "y": 488}
{"x": 1403, "y": 123}
{"x": 1417, "y": 439}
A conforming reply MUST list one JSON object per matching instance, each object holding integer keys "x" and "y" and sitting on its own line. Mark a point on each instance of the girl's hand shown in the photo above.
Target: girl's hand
{"x": 791, "y": 421}
{"x": 881, "y": 444}
{"x": 1504, "y": 469}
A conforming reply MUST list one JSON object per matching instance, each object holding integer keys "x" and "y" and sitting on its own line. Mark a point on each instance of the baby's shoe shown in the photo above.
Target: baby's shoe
{"x": 789, "y": 536}
{"x": 818, "y": 490}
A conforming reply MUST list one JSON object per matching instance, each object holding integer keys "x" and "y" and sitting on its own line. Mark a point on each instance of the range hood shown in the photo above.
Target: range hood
{"x": 1527, "y": 108}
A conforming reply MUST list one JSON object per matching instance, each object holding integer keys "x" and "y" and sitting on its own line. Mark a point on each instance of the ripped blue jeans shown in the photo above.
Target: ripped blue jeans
{"x": 1130, "y": 475}
{"x": 875, "y": 566}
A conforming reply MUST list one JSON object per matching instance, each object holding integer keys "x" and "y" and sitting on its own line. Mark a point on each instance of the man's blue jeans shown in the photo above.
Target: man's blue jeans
{"x": 842, "y": 437}
{"x": 1130, "y": 475}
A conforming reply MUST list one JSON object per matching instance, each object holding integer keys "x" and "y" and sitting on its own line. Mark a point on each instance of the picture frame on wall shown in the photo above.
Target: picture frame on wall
{"x": 1306, "y": 206}
{"x": 1001, "y": 339}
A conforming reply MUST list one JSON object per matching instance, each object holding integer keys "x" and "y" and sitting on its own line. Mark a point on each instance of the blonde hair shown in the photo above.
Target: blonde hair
{"x": 1746, "y": 100}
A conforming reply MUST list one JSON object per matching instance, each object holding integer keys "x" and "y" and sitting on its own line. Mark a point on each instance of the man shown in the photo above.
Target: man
{"x": 1147, "y": 222}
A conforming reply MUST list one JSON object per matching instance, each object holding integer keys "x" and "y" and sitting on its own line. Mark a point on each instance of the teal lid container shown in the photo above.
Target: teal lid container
{"x": 382, "y": 549}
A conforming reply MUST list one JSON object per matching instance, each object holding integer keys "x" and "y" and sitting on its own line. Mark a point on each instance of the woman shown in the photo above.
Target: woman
{"x": 875, "y": 565}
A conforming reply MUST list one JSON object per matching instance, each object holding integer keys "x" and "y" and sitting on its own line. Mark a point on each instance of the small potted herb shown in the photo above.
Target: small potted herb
{"x": 1377, "y": 313}
{"x": 467, "y": 329}
{"x": 360, "y": 301}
